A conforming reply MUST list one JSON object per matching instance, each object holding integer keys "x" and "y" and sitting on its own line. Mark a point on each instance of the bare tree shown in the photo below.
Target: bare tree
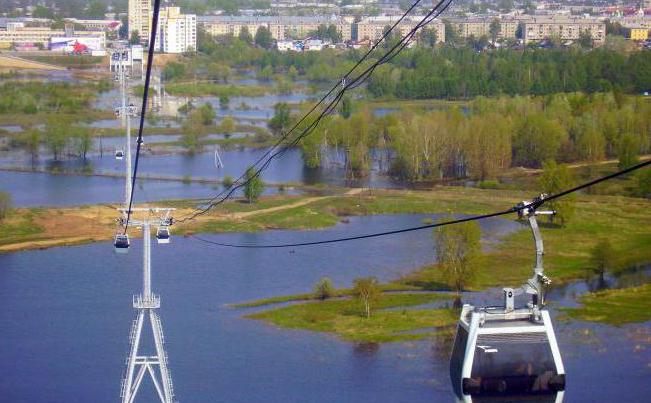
{"x": 457, "y": 248}
{"x": 366, "y": 291}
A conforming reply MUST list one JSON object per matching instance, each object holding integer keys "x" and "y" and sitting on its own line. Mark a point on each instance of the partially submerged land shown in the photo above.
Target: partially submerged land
{"x": 624, "y": 221}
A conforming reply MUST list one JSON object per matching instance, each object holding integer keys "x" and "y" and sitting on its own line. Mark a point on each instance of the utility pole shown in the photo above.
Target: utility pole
{"x": 146, "y": 304}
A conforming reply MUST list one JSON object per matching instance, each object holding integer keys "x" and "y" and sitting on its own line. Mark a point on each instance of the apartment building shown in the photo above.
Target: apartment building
{"x": 372, "y": 28}
{"x": 638, "y": 33}
{"x": 177, "y": 33}
{"x": 140, "y": 16}
{"x": 281, "y": 27}
{"x": 481, "y": 26}
{"x": 565, "y": 28}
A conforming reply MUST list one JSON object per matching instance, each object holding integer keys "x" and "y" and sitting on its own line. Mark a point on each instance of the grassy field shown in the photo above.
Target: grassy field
{"x": 615, "y": 307}
{"x": 344, "y": 318}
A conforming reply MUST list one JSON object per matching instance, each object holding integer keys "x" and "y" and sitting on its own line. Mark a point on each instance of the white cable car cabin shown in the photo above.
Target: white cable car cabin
{"x": 119, "y": 154}
{"x": 163, "y": 234}
{"x": 121, "y": 243}
{"x": 506, "y": 351}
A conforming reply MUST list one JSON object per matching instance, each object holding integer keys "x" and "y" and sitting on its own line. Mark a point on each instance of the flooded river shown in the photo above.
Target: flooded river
{"x": 67, "y": 312}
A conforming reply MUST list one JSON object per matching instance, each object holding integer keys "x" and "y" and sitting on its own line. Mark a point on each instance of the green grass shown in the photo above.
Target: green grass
{"x": 615, "y": 307}
{"x": 71, "y": 61}
{"x": 623, "y": 221}
{"x": 16, "y": 228}
{"x": 344, "y": 318}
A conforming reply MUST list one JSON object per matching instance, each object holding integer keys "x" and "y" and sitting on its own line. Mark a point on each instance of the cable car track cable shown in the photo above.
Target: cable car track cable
{"x": 143, "y": 110}
{"x": 435, "y": 225}
{"x": 360, "y": 79}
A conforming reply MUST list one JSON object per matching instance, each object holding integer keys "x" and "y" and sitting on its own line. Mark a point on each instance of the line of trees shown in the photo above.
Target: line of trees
{"x": 488, "y": 137}
{"x": 453, "y": 73}
{"x": 30, "y": 97}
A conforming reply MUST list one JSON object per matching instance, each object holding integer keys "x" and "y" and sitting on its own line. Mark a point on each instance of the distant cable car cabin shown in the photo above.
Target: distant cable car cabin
{"x": 119, "y": 155}
{"x": 508, "y": 352}
{"x": 163, "y": 234}
{"x": 121, "y": 243}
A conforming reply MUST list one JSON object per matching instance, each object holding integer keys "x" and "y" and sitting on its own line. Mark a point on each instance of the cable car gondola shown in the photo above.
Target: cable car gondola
{"x": 119, "y": 154}
{"x": 163, "y": 234}
{"x": 121, "y": 243}
{"x": 509, "y": 351}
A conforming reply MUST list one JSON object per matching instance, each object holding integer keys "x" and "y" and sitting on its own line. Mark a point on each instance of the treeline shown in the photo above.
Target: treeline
{"x": 31, "y": 97}
{"x": 488, "y": 137}
{"x": 462, "y": 73}
{"x": 60, "y": 136}
{"x": 442, "y": 71}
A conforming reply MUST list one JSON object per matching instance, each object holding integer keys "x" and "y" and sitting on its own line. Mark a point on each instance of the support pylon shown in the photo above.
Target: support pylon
{"x": 139, "y": 365}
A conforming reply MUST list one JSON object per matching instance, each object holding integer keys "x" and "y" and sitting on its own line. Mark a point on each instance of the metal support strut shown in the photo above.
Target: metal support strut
{"x": 535, "y": 285}
{"x": 146, "y": 304}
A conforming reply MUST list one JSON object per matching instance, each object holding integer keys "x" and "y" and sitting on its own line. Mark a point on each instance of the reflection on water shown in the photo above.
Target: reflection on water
{"x": 65, "y": 308}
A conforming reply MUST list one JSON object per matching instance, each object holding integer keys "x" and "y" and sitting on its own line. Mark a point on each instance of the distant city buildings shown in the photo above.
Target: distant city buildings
{"x": 538, "y": 28}
{"x": 139, "y": 21}
{"x": 372, "y": 28}
{"x": 281, "y": 27}
{"x": 177, "y": 33}
{"x": 19, "y": 34}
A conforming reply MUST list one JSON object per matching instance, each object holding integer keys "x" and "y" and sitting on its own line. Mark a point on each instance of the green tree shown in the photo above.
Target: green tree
{"x": 585, "y": 39}
{"x": 323, "y": 288}
{"x": 367, "y": 291}
{"x": 56, "y": 137}
{"x": 263, "y": 37}
{"x": 42, "y": 12}
{"x": 82, "y": 140}
{"x": 281, "y": 119}
{"x": 494, "y": 29}
{"x": 627, "y": 151}
{"x": 602, "y": 257}
{"x": 5, "y": 205}
{"x": 134, "y": 39}
{"x": 644, "y": 183}
{"x": 428, "y": 37}
{"x": 227, "y": 126}
{"x": 537, "y": 139}
{"x": 191, "y": 138}
{"x": 228, "y": 182}
{"x": 245, "y": 35}
{"x": 96, "y": 10}
{"x": 452, "y": 34}
{"x": 207, "y": 114}
{"x": 31, "y": 141}
{"x": 457, "y": 249}
{"x": 346, "y": 107}
{"x": 556, "y": 178}
{"x": 253, "y": 185}
{"x": 224, "y": 100}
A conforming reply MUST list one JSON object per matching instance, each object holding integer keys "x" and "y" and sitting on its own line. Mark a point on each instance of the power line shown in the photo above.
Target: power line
{"x": 360, "y": 79}
{"x": 143, "y": 110}
{"x": 536, "y": 204}
{"x": 321, "y": 101}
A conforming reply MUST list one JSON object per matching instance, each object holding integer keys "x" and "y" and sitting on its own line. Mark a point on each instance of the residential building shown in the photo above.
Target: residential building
{"x": 140, "y": 16}
{"x": 97, "y": 25}
{"x": 481, "y": 26}
{"x": 372, "y": 28}
{"x": 566, "y": 28}
{"x": 281, "y": 27}
{"x": 177, "y": 33}
{"x": 638, "y": 33}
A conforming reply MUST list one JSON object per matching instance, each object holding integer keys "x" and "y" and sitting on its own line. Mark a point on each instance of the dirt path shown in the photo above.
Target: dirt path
{"x": 300, "y": 203}
{"x": 14, "y": 62}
